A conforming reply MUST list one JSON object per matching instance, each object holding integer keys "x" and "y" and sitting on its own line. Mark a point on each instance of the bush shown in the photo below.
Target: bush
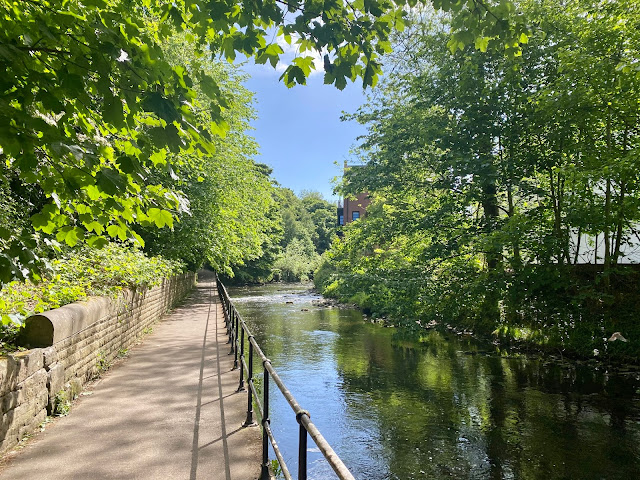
{"x": 324, "y": 274}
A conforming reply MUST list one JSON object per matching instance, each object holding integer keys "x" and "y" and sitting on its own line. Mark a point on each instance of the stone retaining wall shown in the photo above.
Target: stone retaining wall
{"x": 76, "y": 342}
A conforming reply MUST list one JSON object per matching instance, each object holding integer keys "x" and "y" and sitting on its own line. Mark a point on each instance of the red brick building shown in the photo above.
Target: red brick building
{"x": 353, "y": 209}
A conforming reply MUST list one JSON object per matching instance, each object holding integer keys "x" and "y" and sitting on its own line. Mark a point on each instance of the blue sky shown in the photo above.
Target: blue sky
{"x": 299, "y": 129}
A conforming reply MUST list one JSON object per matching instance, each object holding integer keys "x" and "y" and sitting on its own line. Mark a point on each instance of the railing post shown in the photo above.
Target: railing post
{"x": 232, "y": 322}
{"x": 302, "y": 451}
{"x": 249, "y": 420}
{"x": 235, "y": 342}
{"x": 264, "y": 472}
{"x": 241, "y": 384}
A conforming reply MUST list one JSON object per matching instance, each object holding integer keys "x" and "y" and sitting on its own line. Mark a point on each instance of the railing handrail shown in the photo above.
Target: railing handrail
{"x": 236, "y": 329}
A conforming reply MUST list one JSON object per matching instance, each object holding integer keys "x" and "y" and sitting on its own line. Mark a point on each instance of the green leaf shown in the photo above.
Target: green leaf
{"x": 113, "y": 112}
{"x": 163, "y": 107}
{"x": 94, "y": 226}
{"x": 70, "y": 235}
{"x": 128, "y": 164}
{"x": 209, "y": 87}
{"x": 159, "y": 158}
{"x": 110, "y": 181}
{"x": 482, "y": 43}
{"x": 119, "y": 231}
{"x": 292, "y": 75}
{"x": 97, "y": 241}
{"x": 160, "y": 217}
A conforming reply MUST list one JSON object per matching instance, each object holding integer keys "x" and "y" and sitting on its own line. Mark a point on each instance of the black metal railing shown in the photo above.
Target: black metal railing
{"x": 239, "y": 334}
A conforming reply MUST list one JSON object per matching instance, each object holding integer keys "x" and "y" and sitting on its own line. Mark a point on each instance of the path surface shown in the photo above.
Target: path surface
{"x": 169, "y": 411}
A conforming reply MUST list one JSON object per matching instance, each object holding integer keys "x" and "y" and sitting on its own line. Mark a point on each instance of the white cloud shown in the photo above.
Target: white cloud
{"x": 292, "y": 51}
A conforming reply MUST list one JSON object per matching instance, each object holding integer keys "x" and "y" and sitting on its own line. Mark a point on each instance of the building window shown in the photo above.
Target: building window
{"x": 355, "y": 216}
{"x": 341, "y": 220}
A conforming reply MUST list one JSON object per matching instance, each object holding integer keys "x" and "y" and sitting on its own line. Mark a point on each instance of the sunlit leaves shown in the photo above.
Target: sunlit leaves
{"x": 270, "y": 54}
{"x": 293, "y": 75}
{"x": 160, "y": 217}
{"x": 70, "y": 235}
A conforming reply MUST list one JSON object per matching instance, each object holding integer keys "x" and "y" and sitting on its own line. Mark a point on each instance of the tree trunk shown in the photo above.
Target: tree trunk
{"x": 607, "y": 209}
{"x": 490, "y": 306}
{"x": 575, "y": 256}
{"x": 491, "y": 213}
{"x": 620, "y": 202}
{"x": 619, "y": 224}
{"x": 516, "y": 262}
{"x": 562, "y": 253}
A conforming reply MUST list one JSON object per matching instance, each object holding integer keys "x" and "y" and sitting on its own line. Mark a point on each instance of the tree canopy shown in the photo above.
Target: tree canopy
{"x": 93, "y": 114}
{"x": 496, "y": 180}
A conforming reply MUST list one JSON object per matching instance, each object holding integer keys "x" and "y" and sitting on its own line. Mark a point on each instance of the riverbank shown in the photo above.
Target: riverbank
{"x": 613, "y": 349}
{"x": 504, "y": 340}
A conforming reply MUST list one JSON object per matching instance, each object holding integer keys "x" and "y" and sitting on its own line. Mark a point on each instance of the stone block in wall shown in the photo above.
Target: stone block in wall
{"x": 9, "y": 401}
{"x": 33, "y": 387}
{"x": 5, "y": 376}
{"x": 31, "y": 415}
{"x": 50, "y": 356}
{"x": 17, "y": 367}
{"x": 26, "y": 392}
{"x": 8, "y": 439}
{"x": 36, "y": 420}
{"x": 22, "y": 420}
{"x": 55, "y": 383}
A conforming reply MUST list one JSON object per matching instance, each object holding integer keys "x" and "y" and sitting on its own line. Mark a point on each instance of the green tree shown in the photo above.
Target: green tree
{"x": 306, "y": 226}
{"x": 92, "y": 114}
{"x": 298, "y": 256}
{"x": 490, "y": 175}
{"x": 323, "y": 215}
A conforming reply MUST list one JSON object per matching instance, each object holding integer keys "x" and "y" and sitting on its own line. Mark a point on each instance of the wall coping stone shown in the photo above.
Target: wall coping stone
{"x": 48, "y": 328}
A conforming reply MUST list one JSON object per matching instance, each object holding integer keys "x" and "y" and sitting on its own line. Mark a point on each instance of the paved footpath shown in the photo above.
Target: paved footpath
{"x": 169, "y": 411}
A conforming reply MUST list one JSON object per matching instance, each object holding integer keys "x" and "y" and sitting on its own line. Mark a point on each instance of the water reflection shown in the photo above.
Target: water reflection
{"x": 441, "y": 407}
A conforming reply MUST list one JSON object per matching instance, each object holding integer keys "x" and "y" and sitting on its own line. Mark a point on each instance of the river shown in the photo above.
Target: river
{"x": 445, "y": 406}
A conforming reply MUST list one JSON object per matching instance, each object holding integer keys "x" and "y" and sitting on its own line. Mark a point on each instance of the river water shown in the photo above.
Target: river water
{"x": 442, "y": 407}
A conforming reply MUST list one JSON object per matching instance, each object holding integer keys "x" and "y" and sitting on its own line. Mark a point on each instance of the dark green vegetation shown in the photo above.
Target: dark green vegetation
{"x": 447, "y": 406}
{"x": 304, "y": 227}
{"x": 495, "y": 179}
